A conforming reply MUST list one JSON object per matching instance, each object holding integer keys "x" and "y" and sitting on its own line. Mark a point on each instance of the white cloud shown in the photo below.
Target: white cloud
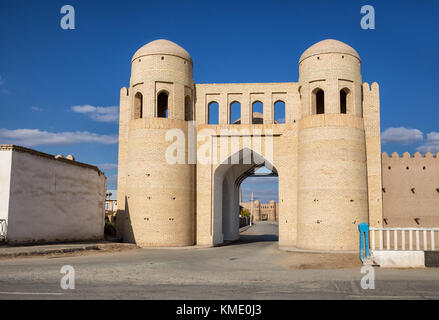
{"x": 107, "y": 166}
{"x": 99, "y": 114}
{"x": 34, "y": 137}
{"x": 431, "y": 144}
{"x": 34, "y": 108}
{"x": 2, "y": 82}
{"x": 112, "y": 181}
{"x": 401, "y": 135}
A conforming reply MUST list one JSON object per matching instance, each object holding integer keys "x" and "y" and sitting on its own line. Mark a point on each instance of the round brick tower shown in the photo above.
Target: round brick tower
{"x": 332, "y": 177}
{"x": 156, "y": 183}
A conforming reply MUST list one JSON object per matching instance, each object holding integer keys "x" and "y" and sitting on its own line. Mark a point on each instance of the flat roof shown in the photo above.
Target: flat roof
{"x": 13, "y": 147}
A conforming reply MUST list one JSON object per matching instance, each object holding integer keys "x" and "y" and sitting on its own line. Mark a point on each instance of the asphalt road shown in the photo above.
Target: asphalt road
{"x": 253, "y": 268}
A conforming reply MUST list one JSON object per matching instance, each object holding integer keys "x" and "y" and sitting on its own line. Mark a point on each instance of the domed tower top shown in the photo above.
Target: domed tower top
{"x": 329, "y": 46}
{"x": 162, "y": 47}
{"x": 330, "y": 79}
{"x": 162, "y": 80}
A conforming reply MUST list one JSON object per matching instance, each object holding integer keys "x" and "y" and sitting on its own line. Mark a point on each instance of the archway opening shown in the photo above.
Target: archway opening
{"x": 245, "y": 204}
{"x": 259, "y": 195}
{"x": 213, "y": 113}
{"x": 344, "y": 100}
{"x": 138, "y": 105}
{"x": 162, "y": 105}
{"x": 188, "y": 114}
{"x": 257, "y": 112}
{"x": 318, "y": 101}
{"x": 279, "y": 112}
{"x": 235, "y": 113}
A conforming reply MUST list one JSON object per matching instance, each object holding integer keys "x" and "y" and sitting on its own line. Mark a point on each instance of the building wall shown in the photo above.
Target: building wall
{"x": 159, "y": 195}
{"x": 410, "y": 190}
{"x": 54, "y": 200}
{"x": 284, "y": 141}
{"x": 371, "y": 115}
{"x": 246, "y": 94}
{"x": 5, "y": 181}
{"x": 277, "y": 146}
{"x": 332, "y": 182}
{"x": 111, "y": 205}
{"x": 270, "y": 210}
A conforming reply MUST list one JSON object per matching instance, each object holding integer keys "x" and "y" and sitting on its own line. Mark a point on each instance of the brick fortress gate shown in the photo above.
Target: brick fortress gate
{"x": 326, "y": 152}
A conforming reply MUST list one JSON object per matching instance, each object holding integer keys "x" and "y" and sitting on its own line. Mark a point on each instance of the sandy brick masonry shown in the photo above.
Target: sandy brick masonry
{"x": 327, "y": 154}
{"x": 262, "y": 211}
{"x": 410, "y": 190}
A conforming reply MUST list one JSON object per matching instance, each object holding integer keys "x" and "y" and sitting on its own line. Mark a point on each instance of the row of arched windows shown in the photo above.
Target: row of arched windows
{"x": 318, "y": 100}
{"x": 318, "y": 107}
{"x": 257, "y": 112}
{"x": 162, "y": 106}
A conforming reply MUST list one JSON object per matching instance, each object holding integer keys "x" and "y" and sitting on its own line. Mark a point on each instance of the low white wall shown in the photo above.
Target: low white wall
{"x": 5, "y": 182}
{"x": 53, "y": 200}
{"x": 399, "y": 259}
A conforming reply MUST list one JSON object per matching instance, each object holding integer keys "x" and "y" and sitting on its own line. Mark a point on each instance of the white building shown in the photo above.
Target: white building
{"x": 111, "y": 201}
{"x": 46, "y": 198}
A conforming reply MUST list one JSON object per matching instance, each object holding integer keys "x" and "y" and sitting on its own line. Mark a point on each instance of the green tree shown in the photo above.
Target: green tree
{"x": 244, "y": 212}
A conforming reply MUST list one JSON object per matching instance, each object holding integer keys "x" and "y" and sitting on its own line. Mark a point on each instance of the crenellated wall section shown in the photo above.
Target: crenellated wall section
{"x": 410, "y": 190}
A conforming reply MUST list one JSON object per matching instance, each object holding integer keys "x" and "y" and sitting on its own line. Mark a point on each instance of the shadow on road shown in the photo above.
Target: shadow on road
{"x": 259, "y": 232}
{"x": 258, "y": 238}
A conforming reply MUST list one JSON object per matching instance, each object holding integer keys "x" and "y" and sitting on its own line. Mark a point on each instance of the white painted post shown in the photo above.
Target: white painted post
{"x": 425, "y": 240}
{"x": 403, "y": 239}
{"x": 417, "y": 241}
{"x": 388, "y": 239}
{"x": 381, "y": 239}
{"x": 395, "y": 239}
{"x": 410, "y": 240}
{"x": 432, "y": 239}
{"x": 251, "y": 211}
{"x": 372, "y": 239}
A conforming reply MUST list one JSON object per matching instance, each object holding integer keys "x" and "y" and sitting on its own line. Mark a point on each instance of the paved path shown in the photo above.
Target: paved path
{"x": 252, "y": 268}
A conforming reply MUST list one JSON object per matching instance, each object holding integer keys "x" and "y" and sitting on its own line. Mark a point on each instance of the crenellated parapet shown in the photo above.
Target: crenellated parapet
{"x": 410, "y": 189}
{"x": 406, "y": 155}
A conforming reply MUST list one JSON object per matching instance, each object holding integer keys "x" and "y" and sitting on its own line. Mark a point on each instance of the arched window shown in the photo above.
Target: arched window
{"x": 344, "y": 99}
{"x": 235, "y": 113}
{"x": 162, "y": 105}
{"x": 257, "y": 112}
{"x": 138, "y": 105}
{"x": 318, "y": 101}
{"x": 279, "y": 112}
{"x": 188, "y": 114}
{"x": 213, "y": 113}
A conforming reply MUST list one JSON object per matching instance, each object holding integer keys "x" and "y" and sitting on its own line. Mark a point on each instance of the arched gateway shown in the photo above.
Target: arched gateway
{"x": 228, "y": 177}
{"x": 178, "y": 180}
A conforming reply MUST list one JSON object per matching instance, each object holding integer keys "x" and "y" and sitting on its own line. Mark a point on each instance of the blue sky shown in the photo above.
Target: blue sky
{"x": 59, "y": 89}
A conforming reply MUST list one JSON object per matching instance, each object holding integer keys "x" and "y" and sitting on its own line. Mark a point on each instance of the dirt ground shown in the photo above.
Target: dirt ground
{"x": 306, "y": 260}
